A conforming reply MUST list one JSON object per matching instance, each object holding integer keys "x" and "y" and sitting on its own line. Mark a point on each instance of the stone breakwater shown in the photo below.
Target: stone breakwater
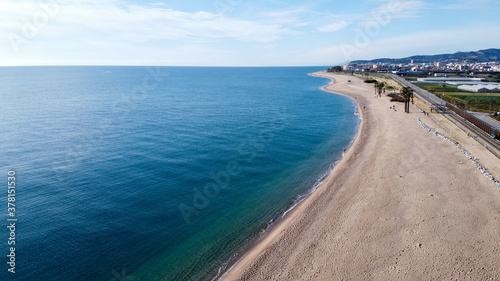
{"x": 483, "y": 170}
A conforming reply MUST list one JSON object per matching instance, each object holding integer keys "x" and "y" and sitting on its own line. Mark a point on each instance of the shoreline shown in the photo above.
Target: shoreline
{"x": 364, "y": 220}
{"x": 260, "y": 243}
{"x": 282, "y": 217}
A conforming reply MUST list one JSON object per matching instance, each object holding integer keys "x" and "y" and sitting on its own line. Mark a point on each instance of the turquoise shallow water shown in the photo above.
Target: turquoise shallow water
{"x": 159, "y": 173}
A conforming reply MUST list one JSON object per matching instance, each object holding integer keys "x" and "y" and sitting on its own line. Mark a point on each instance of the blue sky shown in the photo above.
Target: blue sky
{"x": 239, "y": 32}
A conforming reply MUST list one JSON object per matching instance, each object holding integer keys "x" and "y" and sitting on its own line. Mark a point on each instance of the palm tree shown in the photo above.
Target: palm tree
{"x": 407, "y": 94}
{"x": 380, "y": 87}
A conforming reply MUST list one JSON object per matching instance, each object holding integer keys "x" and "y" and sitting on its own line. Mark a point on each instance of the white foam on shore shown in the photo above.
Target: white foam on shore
{"x": 323, "y": 177}
{"x": 224, "y": 269}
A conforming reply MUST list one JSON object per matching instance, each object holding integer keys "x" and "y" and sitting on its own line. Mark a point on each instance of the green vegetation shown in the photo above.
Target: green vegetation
{"x": 411, "y": 78}
{"x": 482, "y": 102}
{"x": 490, "y": 78}
{"x": 476, "y": 102}
{"x": 379, "y": 88}
{"x": 437, "y": 88}
{"x": 469, "y": 94}
{"x": 379, "y": 75}
{"x": 336, "y": 68}
{"x": 407, "y": 94}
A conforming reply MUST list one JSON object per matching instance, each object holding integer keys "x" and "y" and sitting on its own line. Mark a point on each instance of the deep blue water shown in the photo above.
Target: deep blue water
{"x": 157, "y": 173}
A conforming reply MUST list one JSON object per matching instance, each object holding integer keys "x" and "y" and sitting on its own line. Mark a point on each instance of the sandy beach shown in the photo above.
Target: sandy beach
{"x": 403, "y": 204}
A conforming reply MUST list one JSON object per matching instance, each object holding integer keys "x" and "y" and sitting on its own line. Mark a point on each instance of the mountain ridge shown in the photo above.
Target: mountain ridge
{"x": 486, "y": 55}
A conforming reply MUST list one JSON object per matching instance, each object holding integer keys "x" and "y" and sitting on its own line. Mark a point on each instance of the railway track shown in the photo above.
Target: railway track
{"x": 439, "y": 106}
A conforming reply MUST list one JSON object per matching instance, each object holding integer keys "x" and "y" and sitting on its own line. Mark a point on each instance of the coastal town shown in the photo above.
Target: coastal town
{"x": 465, "y": 83}
{"x": 438, "y": 68}
{"x": 483, "y": 77}
{"x": 470, "y": 81}
{"x": 482, "y": 63}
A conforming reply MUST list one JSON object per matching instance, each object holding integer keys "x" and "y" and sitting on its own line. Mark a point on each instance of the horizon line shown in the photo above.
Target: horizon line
{"x": 145, "y": 65}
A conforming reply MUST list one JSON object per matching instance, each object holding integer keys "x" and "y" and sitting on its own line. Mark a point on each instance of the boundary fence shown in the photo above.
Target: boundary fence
{"x": 480, "y": 124}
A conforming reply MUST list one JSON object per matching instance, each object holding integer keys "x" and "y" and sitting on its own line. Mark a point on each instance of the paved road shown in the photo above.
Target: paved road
{"x": 424, "y": 95}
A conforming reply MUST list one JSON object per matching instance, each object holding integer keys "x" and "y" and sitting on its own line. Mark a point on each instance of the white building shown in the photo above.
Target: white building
{"x": 482, "y": 88}
{"x": 448, "y": 80}
{"x": 349, "y": 67}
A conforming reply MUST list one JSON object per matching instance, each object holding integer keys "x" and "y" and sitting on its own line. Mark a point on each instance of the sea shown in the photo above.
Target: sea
{"x": 156, "y": 173}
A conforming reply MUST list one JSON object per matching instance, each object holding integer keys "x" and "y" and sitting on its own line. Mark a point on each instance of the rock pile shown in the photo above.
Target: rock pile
{"x": 483, "y": 170}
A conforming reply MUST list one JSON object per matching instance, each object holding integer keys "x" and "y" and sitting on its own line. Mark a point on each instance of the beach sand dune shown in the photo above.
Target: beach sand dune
{"x": 403, "y": 204}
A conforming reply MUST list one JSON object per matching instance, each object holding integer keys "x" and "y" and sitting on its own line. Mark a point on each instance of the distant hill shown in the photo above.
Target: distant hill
{"x": 471, "y": 57}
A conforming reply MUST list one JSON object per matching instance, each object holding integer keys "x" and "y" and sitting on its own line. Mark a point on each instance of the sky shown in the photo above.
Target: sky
{"x": 239, "y": 32}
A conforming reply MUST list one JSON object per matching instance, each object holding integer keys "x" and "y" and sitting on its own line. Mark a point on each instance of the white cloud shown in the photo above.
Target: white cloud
{"x": 424, "y": 43}
{"x": 333, "y": 27}
{"x": 400, "y": 9}
{"x": 115, "y": 21}
{"x": 117, "y": 32}
{"x": 158, "y": 4}
{"x": 112, "y": 32}
{"x": 393, "y": 10}
{"x": 284, "y": 13}
{"x": 291, "y": 18}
